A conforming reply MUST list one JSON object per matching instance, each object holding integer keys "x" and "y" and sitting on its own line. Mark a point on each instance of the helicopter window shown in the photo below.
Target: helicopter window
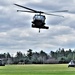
{"x": 39, "y": 17}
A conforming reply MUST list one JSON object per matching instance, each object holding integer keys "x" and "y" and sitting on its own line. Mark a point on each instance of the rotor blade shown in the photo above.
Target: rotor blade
{"x": 25, "y": 7}
{"x": 34, "y": 11}
{"x": 25, "y": 11}
{"x": 61, "y": 11}
{"x": 53, "y": 14}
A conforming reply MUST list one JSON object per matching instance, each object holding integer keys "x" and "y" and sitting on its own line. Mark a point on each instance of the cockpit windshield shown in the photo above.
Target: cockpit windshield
{"x": 39, "y": 17}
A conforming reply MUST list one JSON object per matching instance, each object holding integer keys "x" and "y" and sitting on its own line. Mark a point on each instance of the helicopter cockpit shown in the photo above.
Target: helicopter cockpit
{"x": 39, "y": 17}
{"x": 39, "y": 20}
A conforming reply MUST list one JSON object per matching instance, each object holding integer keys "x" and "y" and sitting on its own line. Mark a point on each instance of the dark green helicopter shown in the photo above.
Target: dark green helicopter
{"x": 38, "y": 19}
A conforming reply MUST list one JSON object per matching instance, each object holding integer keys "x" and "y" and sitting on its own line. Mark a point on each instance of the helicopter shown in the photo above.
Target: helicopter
{"x": 38, "y": 19}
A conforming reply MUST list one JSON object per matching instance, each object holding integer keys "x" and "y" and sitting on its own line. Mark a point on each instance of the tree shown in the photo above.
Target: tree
{"x": 35, "y": 58}
{"x": 52, "y": 54}
{"x": 29, "y": 54}
{"x": 42, "y": 56}
{"x": 8, "y": 55}
{"x": 19, "y": 57}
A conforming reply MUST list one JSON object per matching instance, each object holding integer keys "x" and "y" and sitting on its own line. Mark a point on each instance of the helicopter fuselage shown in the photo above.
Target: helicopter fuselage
{"x": 39, "y": 22}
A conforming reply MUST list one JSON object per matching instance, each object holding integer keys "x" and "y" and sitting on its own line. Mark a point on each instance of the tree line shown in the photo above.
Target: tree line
{"x": 63, "y": 56}
{"x": 58, "y": 56}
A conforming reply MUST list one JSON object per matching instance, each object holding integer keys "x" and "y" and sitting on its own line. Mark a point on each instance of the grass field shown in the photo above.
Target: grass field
{"x": 49, "y": 69}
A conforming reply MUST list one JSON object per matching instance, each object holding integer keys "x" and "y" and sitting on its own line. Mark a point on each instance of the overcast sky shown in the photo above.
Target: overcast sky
{"x": 16, "y": 33}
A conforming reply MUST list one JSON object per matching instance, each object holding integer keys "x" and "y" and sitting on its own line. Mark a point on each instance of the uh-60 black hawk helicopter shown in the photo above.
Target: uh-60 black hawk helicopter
{"x": 38, "y": 19}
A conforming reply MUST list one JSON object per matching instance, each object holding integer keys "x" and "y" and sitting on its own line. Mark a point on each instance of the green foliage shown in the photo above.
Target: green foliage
{"x": 60, "y": 55}
{"x": 64, "y": 56}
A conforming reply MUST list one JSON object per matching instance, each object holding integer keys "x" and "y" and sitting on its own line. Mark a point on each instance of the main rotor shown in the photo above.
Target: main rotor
{"x": 40, "y": 12}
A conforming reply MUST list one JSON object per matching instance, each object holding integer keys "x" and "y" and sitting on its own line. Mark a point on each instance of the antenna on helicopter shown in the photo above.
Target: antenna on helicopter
{"x": 39, "y": 30}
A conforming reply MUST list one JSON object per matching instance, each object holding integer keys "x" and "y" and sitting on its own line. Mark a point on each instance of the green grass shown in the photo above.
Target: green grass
{"x": 48, "y": 69}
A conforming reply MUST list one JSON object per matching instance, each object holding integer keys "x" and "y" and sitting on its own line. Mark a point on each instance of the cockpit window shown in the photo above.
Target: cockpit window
{"x": 39, "y": 17}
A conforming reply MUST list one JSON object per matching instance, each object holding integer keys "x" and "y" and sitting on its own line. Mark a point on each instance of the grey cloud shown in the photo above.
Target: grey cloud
{"x": 16, "y": 32}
